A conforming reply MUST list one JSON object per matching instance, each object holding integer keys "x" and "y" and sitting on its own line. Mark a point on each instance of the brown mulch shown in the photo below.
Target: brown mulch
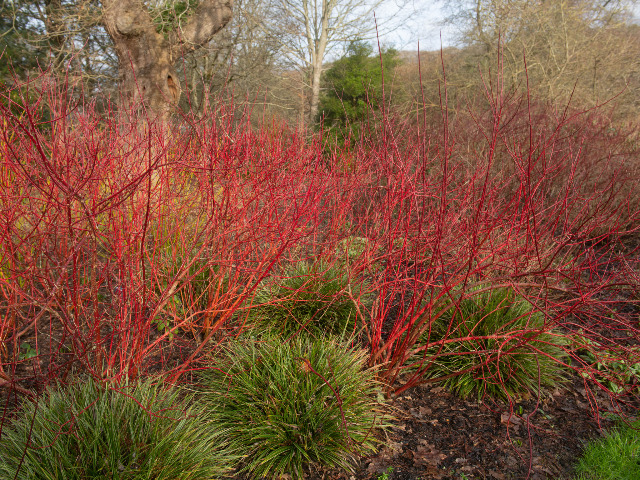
{"x": 440, "y": 436}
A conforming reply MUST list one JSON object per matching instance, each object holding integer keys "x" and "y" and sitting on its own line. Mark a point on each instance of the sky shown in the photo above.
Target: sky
{"x": 424, "y": 28}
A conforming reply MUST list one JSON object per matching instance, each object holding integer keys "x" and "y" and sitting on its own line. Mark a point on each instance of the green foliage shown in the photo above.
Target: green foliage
{"x": 505, "y": 349}
{"x": 17, "y": 41}
{"x": 317, "y": 298}
{"x": 615, "y": 457}
{"x": 167, "y": 15}
{"x": 164, "y": 325}
{"x": 287, "y": 405}
{"x": 385, "y": 475}
{"x": 88, "y": 431}
{"x": 618, "y": 371}
{"x": 352, "y": 85}
{"x": 26, "y": 351}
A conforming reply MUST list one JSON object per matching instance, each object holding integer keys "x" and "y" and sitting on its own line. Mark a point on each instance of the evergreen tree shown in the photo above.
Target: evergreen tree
{"x": 353, "y": 85}
{"x": 19, "y": 55}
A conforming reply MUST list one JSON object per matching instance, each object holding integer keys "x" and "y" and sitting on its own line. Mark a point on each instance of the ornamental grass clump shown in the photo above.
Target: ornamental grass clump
{"x": 492, "y": 344}
{"x": 286, "y": 405}
{"x": 316, "y": 298}
{"x": 88, "y": 431}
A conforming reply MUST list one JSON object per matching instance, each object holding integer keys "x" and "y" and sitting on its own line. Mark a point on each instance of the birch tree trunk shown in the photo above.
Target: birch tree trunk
{"x": 316, "y": 73}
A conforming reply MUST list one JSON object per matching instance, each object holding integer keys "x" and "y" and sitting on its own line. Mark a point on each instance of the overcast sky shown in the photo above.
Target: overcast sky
{"x": 424, "y": 27}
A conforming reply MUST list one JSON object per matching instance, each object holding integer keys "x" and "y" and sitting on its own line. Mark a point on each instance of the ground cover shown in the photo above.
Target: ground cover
{"x": 615, "y": 456}
{"x": 486, "y": 269}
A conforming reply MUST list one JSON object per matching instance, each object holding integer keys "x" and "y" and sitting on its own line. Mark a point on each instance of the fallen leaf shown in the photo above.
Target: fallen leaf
{"x": 497, "y": 475}
{"x": 568, "y": 409}
{"x": 390, "y": 450}
{"x": 508, "y": 418}
{"x": 548, "y": 472}
{"x": 512, "y": 462}
{"x": 581, "y": 404}
{"x": 420, "y": 413}
{"x": 381, "y": 461}
{"x": 426, "y": 454}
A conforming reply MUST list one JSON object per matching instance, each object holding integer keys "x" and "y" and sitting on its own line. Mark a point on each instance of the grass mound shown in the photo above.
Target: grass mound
{"x": 615, "y": 457}
{"x": 86, "y": 431}
{"x": 310, "y": 297}
{"x": 287, "y": 405}
{"x": 498, "y": 347}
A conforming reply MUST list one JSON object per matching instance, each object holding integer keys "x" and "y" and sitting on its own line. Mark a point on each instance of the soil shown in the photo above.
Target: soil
{"x": 440, "y": 436}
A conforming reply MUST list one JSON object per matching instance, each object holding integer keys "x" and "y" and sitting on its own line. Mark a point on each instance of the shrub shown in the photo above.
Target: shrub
{"x": 287, "y": 405}
{"x": 203, "y": 289}
{"x": 317, "y": 298}
{"x": 165, "y": 211}
{"x": 87, "y": 431}
{"x": 355, "y": 86}
{"x": 493, "y": 344}
{"x": 615, "y": 457}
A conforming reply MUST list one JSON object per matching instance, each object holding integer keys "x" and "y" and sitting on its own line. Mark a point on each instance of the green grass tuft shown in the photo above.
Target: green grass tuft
{"x": 288, "y": 405}
{"x": 502, "y": 366}
{"x": 615, "y": 457}
{"x": 86, "y": 431}
{"x": 312, "y": 298}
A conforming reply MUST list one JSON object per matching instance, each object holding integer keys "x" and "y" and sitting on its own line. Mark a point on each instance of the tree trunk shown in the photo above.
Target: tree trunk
{"x": 318, "y": 46}
{"x": 146, "y": 57}
{"x": 316, "y": 74}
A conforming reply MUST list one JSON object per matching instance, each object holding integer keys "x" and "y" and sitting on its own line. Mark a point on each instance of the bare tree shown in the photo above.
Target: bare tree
{"x": 65, "y": 36}
{"x": 584, "y": 50}
{"x": 239, "y": 60}
{"x": 310, "y": 30}
{"x": 82, "y": 35}
{"x": 147, "y": 57}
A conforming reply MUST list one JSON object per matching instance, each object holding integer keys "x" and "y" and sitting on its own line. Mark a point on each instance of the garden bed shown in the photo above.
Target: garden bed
{"x": 131, "y": 251}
